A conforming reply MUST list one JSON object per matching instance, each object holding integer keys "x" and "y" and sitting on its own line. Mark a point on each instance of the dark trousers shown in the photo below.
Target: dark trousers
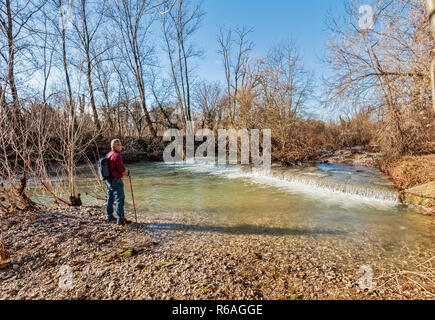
{"x": 115, "y": 191}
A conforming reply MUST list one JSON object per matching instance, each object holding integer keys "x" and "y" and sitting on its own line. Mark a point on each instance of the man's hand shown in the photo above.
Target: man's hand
{"x": 127, "y": 173}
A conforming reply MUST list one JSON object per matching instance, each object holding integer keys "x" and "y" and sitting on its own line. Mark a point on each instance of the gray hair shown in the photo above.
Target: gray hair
{"x": 114, "y": 143}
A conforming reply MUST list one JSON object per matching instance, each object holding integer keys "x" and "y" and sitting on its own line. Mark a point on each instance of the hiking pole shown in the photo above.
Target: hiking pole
{"x": 132, "y": 196}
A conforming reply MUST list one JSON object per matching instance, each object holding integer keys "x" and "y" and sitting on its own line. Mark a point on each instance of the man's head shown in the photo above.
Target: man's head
{"x": 116, "y": 145}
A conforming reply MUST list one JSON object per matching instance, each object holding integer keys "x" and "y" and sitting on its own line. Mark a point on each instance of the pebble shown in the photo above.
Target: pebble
{"x": 187, "y": 263}
{"x": 79, "y": 294}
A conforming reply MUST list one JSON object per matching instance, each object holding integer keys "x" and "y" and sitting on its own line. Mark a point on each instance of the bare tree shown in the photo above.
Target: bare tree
{"x": 209, "y": 102}
{"x": 15, "y": 20}
{"x": 285, "y": 86}
{"x": 133, "y": 22}
{"x": 234, "y": 46}
{"x": 225, "y": 43}
{"x": 387, "y": 67}
{"x": 161, "y": 91}
{"x": 178, "y": 26}
{"x": 87, "y": 34}
{"x": 105, "y": 74}
{"x": 13, "y": 170}
{"x": 430, "y": 5}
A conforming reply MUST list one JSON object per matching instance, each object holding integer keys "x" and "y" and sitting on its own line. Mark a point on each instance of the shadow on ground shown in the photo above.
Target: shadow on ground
{"x": 239, "y": 229}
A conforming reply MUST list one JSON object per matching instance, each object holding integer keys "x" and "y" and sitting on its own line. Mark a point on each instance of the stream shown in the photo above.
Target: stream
{"x": 354, "y": 202}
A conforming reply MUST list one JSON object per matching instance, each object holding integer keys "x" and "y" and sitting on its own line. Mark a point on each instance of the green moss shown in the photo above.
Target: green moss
{"x": 128, "y": 253}
{"x": 294, "y": 297}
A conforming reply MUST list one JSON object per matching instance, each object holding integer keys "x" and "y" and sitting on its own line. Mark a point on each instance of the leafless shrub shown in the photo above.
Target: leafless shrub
{"x": 386, "y": 69}
{"x": 13, "y": 163}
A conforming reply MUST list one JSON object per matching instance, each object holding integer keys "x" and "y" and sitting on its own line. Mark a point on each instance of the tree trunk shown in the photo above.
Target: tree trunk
{"x": 430, "y": 4}
{"x": 65, "y": 68}
{"x": 91, "y": 93}
{"x": 10, "y": 35}
{"x": 145, "y": 110}
{"x": 11, "y": 63}
{"x": 86, "y": 45}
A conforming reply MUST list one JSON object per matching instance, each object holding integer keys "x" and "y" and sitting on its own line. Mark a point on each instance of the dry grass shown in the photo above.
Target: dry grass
{"x": 421, "y": 277}
{"x": 411, "y": 171}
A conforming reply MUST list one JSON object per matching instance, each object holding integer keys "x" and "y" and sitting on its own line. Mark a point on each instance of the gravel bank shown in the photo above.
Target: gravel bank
{"x": 353, "y": 156}
{"x": 171, "y": 259}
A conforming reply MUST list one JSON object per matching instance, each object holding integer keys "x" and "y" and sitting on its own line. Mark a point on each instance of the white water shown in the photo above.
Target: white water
{"x": 315, "y": 183}
{"x": 358, "y": 205}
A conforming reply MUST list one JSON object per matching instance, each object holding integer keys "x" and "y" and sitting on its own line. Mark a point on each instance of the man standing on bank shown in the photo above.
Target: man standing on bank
{"x": 115, "y": 186}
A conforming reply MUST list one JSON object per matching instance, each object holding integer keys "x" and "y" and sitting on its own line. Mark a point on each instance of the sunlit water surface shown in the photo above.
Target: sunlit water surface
{"x": 320, "y": 199}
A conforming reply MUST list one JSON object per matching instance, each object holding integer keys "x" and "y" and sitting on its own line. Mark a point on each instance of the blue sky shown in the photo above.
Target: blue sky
{"x": 273, "y": 20}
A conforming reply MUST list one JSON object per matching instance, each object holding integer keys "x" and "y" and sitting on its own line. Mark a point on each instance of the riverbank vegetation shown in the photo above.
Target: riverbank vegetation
{"x": 116, "y": 69}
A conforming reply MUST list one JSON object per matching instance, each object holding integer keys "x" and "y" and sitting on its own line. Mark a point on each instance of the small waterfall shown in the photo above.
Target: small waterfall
{"x": 319, "y": 183}
{"x": 307, "y": 180}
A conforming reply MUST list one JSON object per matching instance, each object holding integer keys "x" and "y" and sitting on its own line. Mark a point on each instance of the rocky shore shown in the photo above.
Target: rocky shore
{"x": 355, "y": 156}
{"x": 75, "y": 254}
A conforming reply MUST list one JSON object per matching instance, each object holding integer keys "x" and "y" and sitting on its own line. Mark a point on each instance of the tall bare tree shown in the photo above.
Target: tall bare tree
{"x": 178, "y": 27}
{"x": 91, "y": 17}
{"x": 209, "y": 101}
{"x": 15, "y": 21}
{"x": 234, "y": 46}
{"x": 132, "y": 20}
{"x": 430, "y": 5}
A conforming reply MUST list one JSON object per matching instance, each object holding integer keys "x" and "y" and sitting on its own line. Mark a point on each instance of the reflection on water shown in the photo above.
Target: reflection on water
{"x": 318, "y": 200}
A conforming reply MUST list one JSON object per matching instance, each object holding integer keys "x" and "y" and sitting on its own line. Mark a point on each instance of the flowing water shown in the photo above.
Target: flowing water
{"x": 319, "y": 199}
{"x": 329, "y": 220}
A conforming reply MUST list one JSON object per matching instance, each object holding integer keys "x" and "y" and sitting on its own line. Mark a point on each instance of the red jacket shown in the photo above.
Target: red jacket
{"x": 116, "y": 164}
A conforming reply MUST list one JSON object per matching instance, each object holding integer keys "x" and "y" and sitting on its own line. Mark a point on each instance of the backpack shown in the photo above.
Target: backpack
{"x": 104, "y": 168}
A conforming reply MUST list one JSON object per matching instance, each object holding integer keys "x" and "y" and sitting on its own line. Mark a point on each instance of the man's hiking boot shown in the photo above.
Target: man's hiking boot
{"x": 123, "y": 222}
{"x": 110, "y": 219}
